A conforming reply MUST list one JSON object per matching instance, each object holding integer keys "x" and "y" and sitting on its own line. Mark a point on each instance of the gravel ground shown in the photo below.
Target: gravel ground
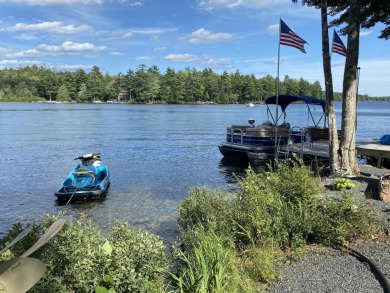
{"x": 331, "y": 270}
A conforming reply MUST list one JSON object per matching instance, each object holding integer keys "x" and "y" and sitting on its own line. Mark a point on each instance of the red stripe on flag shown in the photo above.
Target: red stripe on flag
{"x": 289, "y": 38}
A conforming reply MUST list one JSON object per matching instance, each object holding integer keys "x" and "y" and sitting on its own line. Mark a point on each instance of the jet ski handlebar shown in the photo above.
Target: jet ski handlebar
{"x": 95, "y": 156}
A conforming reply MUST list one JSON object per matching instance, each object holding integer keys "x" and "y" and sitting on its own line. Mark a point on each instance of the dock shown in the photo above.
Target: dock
{"x": 319, "y": 150}
{"x": 374, "y": 149}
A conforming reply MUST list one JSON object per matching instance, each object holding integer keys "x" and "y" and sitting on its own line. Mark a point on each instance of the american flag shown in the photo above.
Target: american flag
{"x": 337, "y": 45}
{"x": 289, "y": 38}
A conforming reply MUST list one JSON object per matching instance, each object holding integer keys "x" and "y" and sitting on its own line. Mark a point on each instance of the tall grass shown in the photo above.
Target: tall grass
{"x": 210, "y": 265}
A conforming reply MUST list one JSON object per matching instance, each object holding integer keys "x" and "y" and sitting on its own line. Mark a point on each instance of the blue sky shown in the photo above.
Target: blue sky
{"x": 118, "y": 35}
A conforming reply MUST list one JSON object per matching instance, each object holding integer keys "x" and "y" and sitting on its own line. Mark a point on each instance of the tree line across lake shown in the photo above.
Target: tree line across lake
{"x": 147, "y": 84}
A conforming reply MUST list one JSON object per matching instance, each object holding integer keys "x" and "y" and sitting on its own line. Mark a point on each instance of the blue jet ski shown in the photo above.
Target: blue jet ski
{"x": 90, "y": 179}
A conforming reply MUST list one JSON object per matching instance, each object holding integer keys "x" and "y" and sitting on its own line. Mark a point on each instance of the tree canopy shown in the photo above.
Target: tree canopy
{"x": 145, "y": 85}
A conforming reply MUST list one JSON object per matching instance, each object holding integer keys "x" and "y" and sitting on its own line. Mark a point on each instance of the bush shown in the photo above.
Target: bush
{"x": 79, "y": 258}
{"x": 342, "y": 183}
{"x": 262, "y": 263}
{"x": 277, "y": 206}
{"x": 204, "y": 207}
{"x": 345, "y": 219}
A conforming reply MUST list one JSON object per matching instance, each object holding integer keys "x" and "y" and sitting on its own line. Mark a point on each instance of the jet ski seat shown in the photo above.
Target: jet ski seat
{"x": 83, "y": 172}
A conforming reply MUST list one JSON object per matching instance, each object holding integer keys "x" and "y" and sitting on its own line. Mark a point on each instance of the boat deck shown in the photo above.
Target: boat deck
{"x": 319, "y": 150}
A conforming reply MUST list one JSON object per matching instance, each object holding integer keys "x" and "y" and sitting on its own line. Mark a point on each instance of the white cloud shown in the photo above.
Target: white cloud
{"x": 203, "y": 36}
{"x": 136, "y": 3}
{"x": 273, "y": 29}
{"x": 14, "y": 63}
{"x": 181, "y": 57}
{"x": 116, "y": 54}
{"x": 71, "y": 67}
{"x": 51, "y": 50}
{"x": 71, "y": 47}
{"x": 127, "y": 35}
{"x": 223, "y": 63}
{"x": 54, "y": 2}
{"x": 155, "y": 39}
{"x": 132, "y": 32}
{"x": 365, "y": 33}
{"x": 52, "y": 27}
{"x": 216, "y": 4}
{"x": 152, "y": 30}
{"x": 159, "y": 49}
{"x": 144, "y": 58}
{"x": 27, "y": 37}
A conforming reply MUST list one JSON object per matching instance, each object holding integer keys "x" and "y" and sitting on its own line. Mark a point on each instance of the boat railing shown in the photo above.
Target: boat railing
{"x": 237, "y": 131}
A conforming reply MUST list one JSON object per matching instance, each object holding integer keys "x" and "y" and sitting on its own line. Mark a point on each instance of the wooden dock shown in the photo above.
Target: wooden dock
{"x": 319, "y": 150}
{"x": 374, "y": 149}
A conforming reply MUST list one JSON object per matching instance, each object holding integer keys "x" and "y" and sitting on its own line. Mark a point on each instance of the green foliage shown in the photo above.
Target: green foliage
{"x": 145, "y": 84}
{"x": 209, "y": 265}
{"x": 207, "y": 207}
{"x": 277, "y": 206}
{"x": 262, "y": 263}
{"x": 342, "y": 183}
{"x": 108, "y": 282}
{"x": 270, "y": 220}
{"x": 345, "y": 219}
{"x": 81, "y": 259}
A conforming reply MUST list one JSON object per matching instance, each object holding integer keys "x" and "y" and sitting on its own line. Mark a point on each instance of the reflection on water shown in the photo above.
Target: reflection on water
{"x": 232, "y": 169}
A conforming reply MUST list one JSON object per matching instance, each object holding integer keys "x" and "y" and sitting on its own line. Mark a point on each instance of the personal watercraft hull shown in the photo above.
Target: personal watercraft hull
{"x": 89, "y": 180}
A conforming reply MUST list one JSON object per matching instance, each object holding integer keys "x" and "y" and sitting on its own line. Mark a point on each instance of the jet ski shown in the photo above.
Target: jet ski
{"x": 90, "y": 179}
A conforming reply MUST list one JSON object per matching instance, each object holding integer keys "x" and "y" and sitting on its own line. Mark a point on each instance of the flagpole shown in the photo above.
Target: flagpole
{"x": 277, "y": 94}
{"x": 331, "y": 50}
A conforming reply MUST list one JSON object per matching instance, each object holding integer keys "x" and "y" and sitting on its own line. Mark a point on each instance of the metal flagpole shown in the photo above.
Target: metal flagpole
{"x": 277, "y": 93}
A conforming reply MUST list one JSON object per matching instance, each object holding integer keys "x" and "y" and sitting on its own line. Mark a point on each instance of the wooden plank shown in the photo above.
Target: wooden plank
{"x": 373, "y": 148}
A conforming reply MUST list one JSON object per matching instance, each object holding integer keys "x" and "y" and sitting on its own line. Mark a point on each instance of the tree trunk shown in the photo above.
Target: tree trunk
{"x": 334, "y": 162}
{"x": 348, "y": 123}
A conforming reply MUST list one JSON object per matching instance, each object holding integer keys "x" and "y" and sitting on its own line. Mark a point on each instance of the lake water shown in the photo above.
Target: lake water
{"x": 155, "y": 154}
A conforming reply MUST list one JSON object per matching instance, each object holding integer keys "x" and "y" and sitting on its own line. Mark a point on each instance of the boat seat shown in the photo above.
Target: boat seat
{"x": 83, "y": 172}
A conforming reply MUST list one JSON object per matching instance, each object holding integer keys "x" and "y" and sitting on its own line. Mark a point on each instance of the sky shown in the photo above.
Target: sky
{"x": 224, "y": 35}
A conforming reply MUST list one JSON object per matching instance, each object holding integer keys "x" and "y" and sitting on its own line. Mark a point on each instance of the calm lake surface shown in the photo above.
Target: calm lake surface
{"x": 155, "y": 154}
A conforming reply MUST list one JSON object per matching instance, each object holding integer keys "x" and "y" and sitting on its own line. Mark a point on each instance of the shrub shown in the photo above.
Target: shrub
{"x": 262, "y": 263}
{"x": 342, "y": 183}
{"x": 277, "y": 206}
{"x": 80, "y": 258}
{"x": 205, "y": 206}
{"x": 344, "y": 219}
